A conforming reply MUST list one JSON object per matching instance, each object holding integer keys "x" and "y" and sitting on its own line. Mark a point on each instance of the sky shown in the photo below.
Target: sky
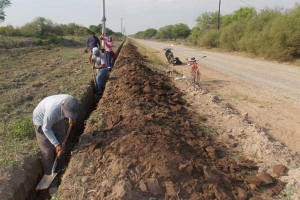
{"x": 137, "y": 15}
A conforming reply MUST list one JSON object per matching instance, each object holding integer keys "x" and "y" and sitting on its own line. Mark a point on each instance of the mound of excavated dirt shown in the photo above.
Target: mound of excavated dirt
{"x": 141, "y": 143}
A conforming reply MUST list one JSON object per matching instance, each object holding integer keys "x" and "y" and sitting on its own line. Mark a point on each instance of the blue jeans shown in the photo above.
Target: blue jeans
{"x": 100, "y": 79}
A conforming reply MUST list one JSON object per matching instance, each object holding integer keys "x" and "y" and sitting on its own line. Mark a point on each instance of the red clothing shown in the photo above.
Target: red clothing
{"x": 108, "y": 44}
{"x": 113, "y": 55}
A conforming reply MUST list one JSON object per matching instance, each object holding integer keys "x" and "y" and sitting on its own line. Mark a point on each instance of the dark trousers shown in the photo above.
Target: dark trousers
{"x": 108, "y": 58}
{"x": 47, "y": 149}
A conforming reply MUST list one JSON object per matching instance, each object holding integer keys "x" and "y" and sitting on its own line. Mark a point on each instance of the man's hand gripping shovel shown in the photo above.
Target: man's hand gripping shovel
{"x": 47, "y": 179}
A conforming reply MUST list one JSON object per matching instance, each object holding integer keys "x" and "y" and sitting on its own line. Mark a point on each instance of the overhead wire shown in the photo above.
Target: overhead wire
{"x": 248, "y": 4}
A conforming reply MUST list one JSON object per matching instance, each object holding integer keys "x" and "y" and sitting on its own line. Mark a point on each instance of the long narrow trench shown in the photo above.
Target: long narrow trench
{"x": 23, "y": 187}
{"x": 89, "y": 104}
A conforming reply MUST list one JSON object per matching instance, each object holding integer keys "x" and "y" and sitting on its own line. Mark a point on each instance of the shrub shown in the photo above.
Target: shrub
{"x": 231, "y": 35}
{"x": 193, "y": 38}
{"x": 210, "y": 38}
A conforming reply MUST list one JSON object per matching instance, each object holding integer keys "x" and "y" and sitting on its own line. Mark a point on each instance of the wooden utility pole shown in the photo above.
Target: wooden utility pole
{"x": 103, "y": 23}
{"x": 219, "y": 14}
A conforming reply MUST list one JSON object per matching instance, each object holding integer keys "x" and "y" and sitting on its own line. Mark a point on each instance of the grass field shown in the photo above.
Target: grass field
{"x": 31, "y": 69}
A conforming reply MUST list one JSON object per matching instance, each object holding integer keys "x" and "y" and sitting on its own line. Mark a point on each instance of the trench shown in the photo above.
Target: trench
{"x": 25, "y": 178}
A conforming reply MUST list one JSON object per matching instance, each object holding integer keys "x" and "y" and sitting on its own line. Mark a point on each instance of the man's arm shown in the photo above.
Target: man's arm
{"x": 88, "y": 43}
{"x": 102, "y": 66}
{"x": 48, "y": 122}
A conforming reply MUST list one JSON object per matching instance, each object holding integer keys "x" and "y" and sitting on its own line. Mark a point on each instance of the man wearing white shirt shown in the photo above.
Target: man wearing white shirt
{"x": 100, "y": 63}
{"x": 49, "y": 121}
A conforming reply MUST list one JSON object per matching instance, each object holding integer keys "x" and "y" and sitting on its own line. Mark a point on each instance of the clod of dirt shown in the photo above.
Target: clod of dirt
{"x": 275, "y": 190}
{"x": 253, "y": 182}
{"x": 143, "y": 187}
{"x": 249, "y": 164}
{"x": 171, "y": 190}
{"x": 154, "y": 186}
{"x": 265, "y": 178}
{"x": 147, "y": 89}
{"x": 241, "y": 194}
{"x": 280, "y": 170}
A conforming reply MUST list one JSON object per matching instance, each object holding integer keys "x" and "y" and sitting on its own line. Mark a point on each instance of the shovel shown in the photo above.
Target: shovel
{"x": 47, "y": 179}
{"x": 93, "y": 73}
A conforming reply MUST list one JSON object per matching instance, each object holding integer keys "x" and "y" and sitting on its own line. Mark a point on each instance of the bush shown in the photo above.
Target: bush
{"x": 270, "y": 33}
{"x": 273, "y": 35}
{"x": 231, "y": 35}
{"x": 210, "y": 38}
{"x": 256, "y": 38}
{"x": 193, "y": 38}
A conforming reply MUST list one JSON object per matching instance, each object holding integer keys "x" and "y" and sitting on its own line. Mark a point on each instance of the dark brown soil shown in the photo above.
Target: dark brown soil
{"x": 145, "y": 144}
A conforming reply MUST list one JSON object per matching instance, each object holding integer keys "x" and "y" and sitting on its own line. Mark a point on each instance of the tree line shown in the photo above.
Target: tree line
{"x": 269, "y": 33}
{"x": 41, "y": 27}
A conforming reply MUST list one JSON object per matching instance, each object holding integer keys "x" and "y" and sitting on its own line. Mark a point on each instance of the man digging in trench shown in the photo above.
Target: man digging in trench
{"x": 49, "y": 121}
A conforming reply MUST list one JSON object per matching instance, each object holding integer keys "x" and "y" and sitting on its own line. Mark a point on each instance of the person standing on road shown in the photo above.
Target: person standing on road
{"x": 49, "y": 120}
{"x": 108, "y": 45}
{"x": 99, "y": 62}
{"x": 92, "y": 42}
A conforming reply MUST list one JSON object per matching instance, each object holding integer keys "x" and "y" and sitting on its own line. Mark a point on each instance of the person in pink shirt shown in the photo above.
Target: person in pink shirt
{"x": 108, "y": 45}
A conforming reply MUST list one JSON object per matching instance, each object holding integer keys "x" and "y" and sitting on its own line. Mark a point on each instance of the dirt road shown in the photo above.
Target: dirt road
{"x": 268, "y": 92}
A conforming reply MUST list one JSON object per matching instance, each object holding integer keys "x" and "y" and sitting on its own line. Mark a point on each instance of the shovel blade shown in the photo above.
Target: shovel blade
{"x": 46, "y": 181}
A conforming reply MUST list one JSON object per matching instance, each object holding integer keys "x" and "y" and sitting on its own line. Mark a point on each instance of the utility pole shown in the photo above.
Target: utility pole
{"x": 103, "y": 20}
{"x": 103, "y": 24}
{"x": 121, "y": 25}
{"x": 219, "y": 14}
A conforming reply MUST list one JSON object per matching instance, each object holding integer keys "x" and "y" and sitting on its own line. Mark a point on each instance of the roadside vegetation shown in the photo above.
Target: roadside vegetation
{"x": 269, "y": 33}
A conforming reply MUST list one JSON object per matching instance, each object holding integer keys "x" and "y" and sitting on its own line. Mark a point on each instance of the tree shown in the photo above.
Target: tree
{"x": 166, "y": 32}
{"x": 207, "y": 20}
{"x": 96, "y": 29}
{"x": 139, "y": 34}
{"x": 149, "y": 33}
{"x": 181, "y": 31}
{"x": 40, "y": 27}
{"x": 3, "y": 5}
{"x": 241, "y": 14}
{"x": 7, "y": 30}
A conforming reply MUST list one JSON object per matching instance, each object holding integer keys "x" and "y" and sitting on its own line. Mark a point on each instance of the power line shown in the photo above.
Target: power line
{"x": 248, "y": 4}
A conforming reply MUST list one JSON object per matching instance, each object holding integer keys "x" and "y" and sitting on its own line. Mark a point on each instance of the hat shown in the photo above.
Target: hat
{"x": 70, "y": 106}
{"x": 95, "y": 50}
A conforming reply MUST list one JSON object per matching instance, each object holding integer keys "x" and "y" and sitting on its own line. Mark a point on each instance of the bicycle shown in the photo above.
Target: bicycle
{"x": 195, "y": 72}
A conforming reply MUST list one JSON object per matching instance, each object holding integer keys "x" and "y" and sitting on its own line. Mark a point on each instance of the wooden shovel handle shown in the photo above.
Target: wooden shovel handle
{"x": 63, "y": 146}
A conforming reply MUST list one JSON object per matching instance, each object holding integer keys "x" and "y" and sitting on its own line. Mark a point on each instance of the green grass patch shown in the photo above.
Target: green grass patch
{"x": 20, "y": 128}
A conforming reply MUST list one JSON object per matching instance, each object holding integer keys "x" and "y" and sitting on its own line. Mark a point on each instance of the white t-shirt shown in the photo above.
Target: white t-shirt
{"x": 100, "y": 59}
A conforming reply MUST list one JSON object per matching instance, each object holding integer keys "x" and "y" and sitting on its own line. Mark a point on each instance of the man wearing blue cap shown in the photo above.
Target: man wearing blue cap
{"x": 49, "y": 121}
